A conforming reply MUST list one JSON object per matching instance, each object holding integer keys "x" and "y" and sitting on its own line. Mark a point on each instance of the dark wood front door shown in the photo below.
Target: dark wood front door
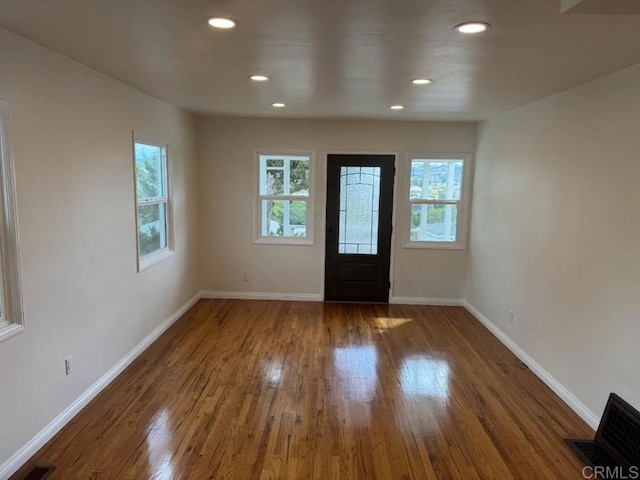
{"x": 358, "y": 236}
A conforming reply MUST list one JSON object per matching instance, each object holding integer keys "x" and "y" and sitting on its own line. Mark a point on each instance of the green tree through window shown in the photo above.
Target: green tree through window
{"x": 284, "y": 195}
{"x": 152, "y": 197}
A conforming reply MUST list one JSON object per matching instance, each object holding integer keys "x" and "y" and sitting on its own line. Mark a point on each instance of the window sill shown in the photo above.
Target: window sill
{"x": 291, "y": 241}
{"x": 8, "y": 330}
{"x": 155, "y": 258}
{"x": 435, "y": 245}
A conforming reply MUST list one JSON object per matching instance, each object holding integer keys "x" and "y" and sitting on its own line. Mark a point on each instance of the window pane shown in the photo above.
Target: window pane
{"x": 434, "y": 223}
{"x": 299, "y": 179}
{"x": 274, "y": 163}
{"x": 284, "y": 218}
{"x": 152, "y": 230}
{"x": 149, "y": 171}
{"x": 359, "y": 210}
{"x": 436, "y": 179}
{"x": 273, "y": 182}
{"x": 285, "y": 175}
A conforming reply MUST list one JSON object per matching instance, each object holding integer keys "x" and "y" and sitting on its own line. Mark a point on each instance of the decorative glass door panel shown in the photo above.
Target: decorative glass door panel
{"x": 359, "y": 210}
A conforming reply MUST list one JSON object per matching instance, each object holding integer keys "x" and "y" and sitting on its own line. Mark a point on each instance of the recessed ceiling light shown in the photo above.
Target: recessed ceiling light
{"x": 472, "y": 27}
{"x": 259, "y": 78}
{"x": 397, "y": 107}
{"x": 421, "y": 81}
{"x": 222, "y": 22}
{"x": 278, "y": 105}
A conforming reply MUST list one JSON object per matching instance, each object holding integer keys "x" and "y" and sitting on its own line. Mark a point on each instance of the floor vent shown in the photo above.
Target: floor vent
{"x": 617, "y": 441}
{"x": 590, "y": 454}
{"x": 39, "y": 473}
{"x": 621, "y": 430}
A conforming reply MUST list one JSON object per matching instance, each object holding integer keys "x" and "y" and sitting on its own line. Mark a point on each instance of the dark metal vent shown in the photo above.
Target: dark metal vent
{"x": 617, "y": 441}
{"x": 39, "y": 473}
{"x": 621, "y": 430}
{"x": 591, "y": 454}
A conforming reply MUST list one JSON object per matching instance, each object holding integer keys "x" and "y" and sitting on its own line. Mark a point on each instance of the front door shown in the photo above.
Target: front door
{"x": 358, "y": 236}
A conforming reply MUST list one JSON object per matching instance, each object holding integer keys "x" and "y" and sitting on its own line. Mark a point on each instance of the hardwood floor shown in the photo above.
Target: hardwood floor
{"x": 270, "y": 390}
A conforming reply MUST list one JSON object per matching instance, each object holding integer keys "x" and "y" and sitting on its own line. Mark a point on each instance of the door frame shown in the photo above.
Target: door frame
{"x": 323, "y": 207}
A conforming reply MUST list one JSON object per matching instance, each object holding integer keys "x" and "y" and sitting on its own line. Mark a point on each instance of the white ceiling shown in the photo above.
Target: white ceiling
{"x": 611, "y": 7}
{"x": 334, "y": 58}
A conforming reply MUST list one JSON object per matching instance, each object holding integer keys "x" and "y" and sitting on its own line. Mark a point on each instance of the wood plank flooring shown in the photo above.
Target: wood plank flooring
{"x": 293, "y": 390}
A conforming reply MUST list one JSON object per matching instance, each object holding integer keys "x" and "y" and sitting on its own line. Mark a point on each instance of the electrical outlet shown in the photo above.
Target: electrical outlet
{"x": 245, "y": 276}
{"x": 68, "y": 365}
{"x": 512, "y": 316}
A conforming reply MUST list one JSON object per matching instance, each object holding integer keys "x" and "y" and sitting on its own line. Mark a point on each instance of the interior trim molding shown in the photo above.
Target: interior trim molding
{"x": 558, "y": 388}
{"x": 19, "y": 458}
{"x": 293, "y": 297}
{"x": 445, "y": 302}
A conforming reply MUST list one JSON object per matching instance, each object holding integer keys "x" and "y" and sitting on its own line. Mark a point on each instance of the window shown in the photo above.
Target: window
{"x": 285, "y": 197}
{"x": 437, "y": 201}
{"x": 153, "y": 208}
{"x": 11, "y": 317}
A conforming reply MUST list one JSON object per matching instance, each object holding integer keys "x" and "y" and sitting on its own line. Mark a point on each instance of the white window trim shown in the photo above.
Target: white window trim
{"x": 12, "y": 322}
{"x": 163, "y": 254}
{"x": 463, "y": 218}
{"x": 309, "y": 239}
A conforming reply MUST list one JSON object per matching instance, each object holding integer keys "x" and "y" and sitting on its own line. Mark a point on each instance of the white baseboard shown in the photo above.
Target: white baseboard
{"x": 313, "y": 297}
{"x": 18, "y": 459}
{"x": 294, "y": 297}
{"x": 563, "y": 392}
{"x": 447, "y": 302}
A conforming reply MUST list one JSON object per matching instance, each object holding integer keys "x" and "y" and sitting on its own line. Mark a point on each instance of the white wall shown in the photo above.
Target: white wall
{"x": 226, "y": 147}
{"x": 82, "y": 296}
{"x": 555, "y": 234}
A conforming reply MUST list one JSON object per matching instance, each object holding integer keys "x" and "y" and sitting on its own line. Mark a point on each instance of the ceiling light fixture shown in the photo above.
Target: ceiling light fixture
{"x": 421, "y": 81}
{"x": 259, "y": 78}
{"x": 397, "y": 107}
{"x": 278, "y": 105}
{"x": 222, "y": 22}
{"x": 472, "y": 27}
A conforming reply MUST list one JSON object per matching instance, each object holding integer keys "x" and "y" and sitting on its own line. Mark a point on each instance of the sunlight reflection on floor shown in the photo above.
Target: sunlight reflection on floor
{"x": 272, "y": 372}
{"x": 421, "y": 375}
{"x": 159, "y": 447}
{"x": 357, "y": 369}
{"x": 384, "y": 323}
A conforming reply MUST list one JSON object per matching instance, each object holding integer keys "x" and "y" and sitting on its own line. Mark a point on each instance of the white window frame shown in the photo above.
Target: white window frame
{"x": 12, "y": 316}
{"x": 167, "y": 252}
{"x": 463, "y": 203}
{"x": 258, "y": 238}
